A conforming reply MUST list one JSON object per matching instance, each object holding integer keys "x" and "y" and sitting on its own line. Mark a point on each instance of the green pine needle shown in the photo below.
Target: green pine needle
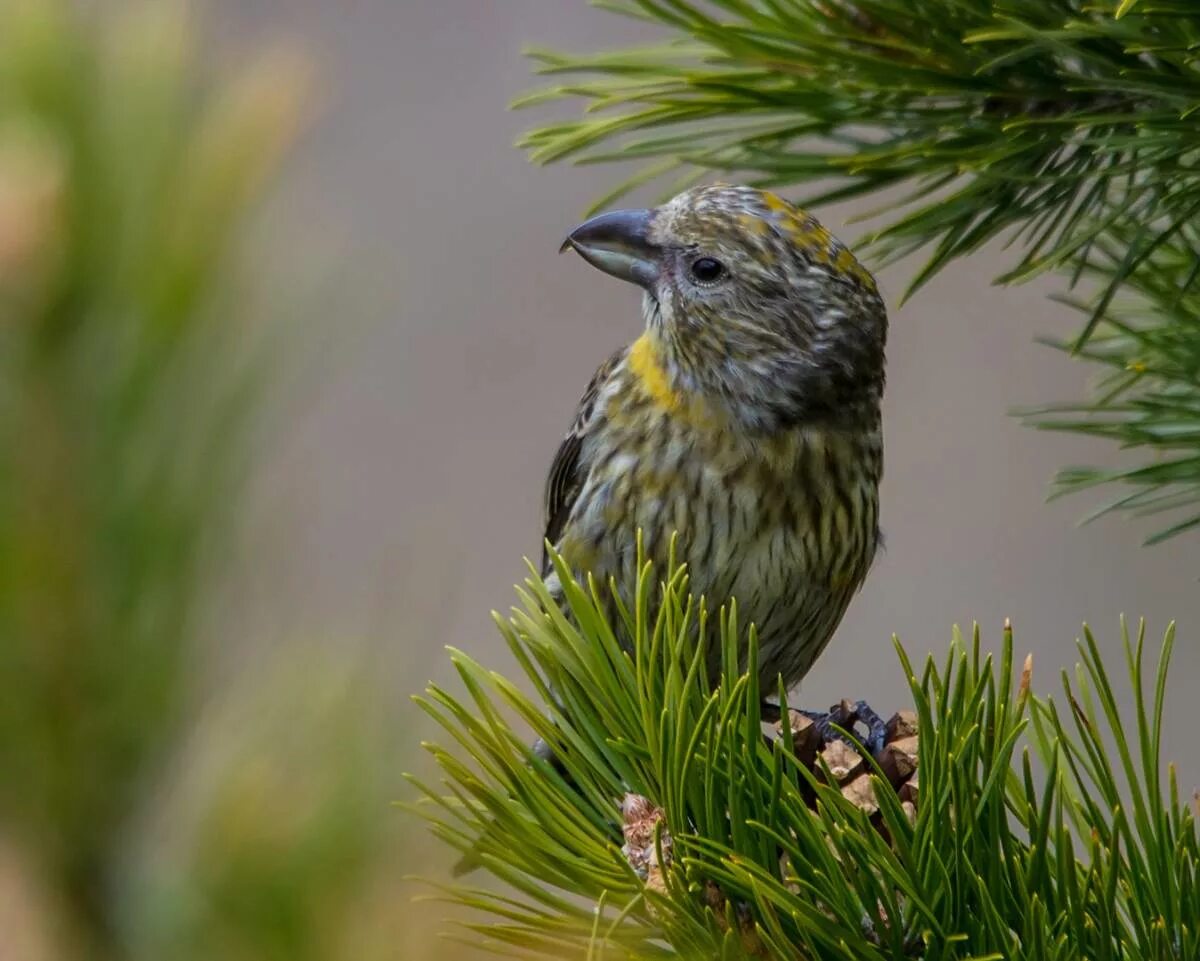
{"x": 1093, "y": 858}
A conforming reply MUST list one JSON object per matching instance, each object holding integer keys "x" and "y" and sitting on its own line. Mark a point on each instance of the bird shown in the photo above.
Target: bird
{"x": 742, "y": 428}
{"x": 744, "y": 422}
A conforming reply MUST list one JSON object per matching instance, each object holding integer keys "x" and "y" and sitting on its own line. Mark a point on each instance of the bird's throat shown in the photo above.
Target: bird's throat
{"x": 647, "y": 365}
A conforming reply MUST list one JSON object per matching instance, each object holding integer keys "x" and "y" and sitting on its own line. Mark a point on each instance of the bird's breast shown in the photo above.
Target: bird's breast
{"x": 753, "y": 514}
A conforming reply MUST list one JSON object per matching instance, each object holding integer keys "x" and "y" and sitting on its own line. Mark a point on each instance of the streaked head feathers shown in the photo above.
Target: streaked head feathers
{"x": 751, "y": 303}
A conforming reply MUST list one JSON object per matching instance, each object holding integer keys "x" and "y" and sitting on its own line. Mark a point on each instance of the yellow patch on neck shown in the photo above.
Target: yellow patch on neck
{"x": 643, "y": 361}
{"x": 647, "y": 368}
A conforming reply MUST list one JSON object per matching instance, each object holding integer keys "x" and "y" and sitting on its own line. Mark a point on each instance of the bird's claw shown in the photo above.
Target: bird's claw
{"x": 847, "y": 716}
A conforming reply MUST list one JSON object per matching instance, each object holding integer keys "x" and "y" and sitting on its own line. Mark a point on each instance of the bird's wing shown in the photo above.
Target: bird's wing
{"x": 566, "y": 472}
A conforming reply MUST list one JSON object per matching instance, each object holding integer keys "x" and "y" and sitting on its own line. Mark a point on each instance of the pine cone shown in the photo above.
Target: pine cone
{"x": 640, "y": 820}
{"x": 646, "y": 834}
{"x": 897, "y": 759}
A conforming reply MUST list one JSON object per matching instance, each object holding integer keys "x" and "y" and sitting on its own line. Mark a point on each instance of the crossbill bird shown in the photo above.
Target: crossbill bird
{"x": 744, "y": 423}
{"x": 745, "y": 419}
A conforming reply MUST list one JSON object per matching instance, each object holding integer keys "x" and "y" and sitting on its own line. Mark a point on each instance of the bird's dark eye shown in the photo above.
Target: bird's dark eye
{"x": 706, "y": 270}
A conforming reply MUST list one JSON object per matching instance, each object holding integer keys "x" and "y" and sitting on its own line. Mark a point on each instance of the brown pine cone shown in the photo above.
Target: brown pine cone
{"x": 646, "y": 835}
{"x": 897, "y": 759}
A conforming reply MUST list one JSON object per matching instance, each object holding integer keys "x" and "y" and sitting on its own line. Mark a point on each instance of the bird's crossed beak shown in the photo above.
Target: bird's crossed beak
{"x": 618, "y": 242}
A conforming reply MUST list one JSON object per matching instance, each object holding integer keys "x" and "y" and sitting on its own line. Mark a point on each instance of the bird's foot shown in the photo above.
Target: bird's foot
{"x": 848, "y": 716}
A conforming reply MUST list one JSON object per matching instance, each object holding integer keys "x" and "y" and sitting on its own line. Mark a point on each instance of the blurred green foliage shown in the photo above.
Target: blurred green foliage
{"x": 135, "y": 360}
{"x": 271, "y": 830}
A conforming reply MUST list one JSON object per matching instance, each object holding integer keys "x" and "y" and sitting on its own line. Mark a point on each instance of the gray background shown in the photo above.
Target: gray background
{"x": 408, "y": 487}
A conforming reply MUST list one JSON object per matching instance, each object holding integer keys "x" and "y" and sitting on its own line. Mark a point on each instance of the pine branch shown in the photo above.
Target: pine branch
{"x": 132, "y": 387}
{"x": 1065, "y": 127}
{"x": 753, "y": 854}
{"x": 1148, "y": 347}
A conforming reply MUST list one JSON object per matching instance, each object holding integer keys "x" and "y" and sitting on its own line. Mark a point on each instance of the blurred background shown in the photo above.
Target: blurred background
{"x": 285, "y": 351}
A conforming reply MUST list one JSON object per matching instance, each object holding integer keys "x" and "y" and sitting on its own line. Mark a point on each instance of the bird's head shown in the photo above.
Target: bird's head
{"x": 750, "y": 303}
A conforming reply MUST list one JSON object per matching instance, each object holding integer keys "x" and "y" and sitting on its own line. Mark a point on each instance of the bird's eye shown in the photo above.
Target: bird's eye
{"x": 706, "y": 270}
